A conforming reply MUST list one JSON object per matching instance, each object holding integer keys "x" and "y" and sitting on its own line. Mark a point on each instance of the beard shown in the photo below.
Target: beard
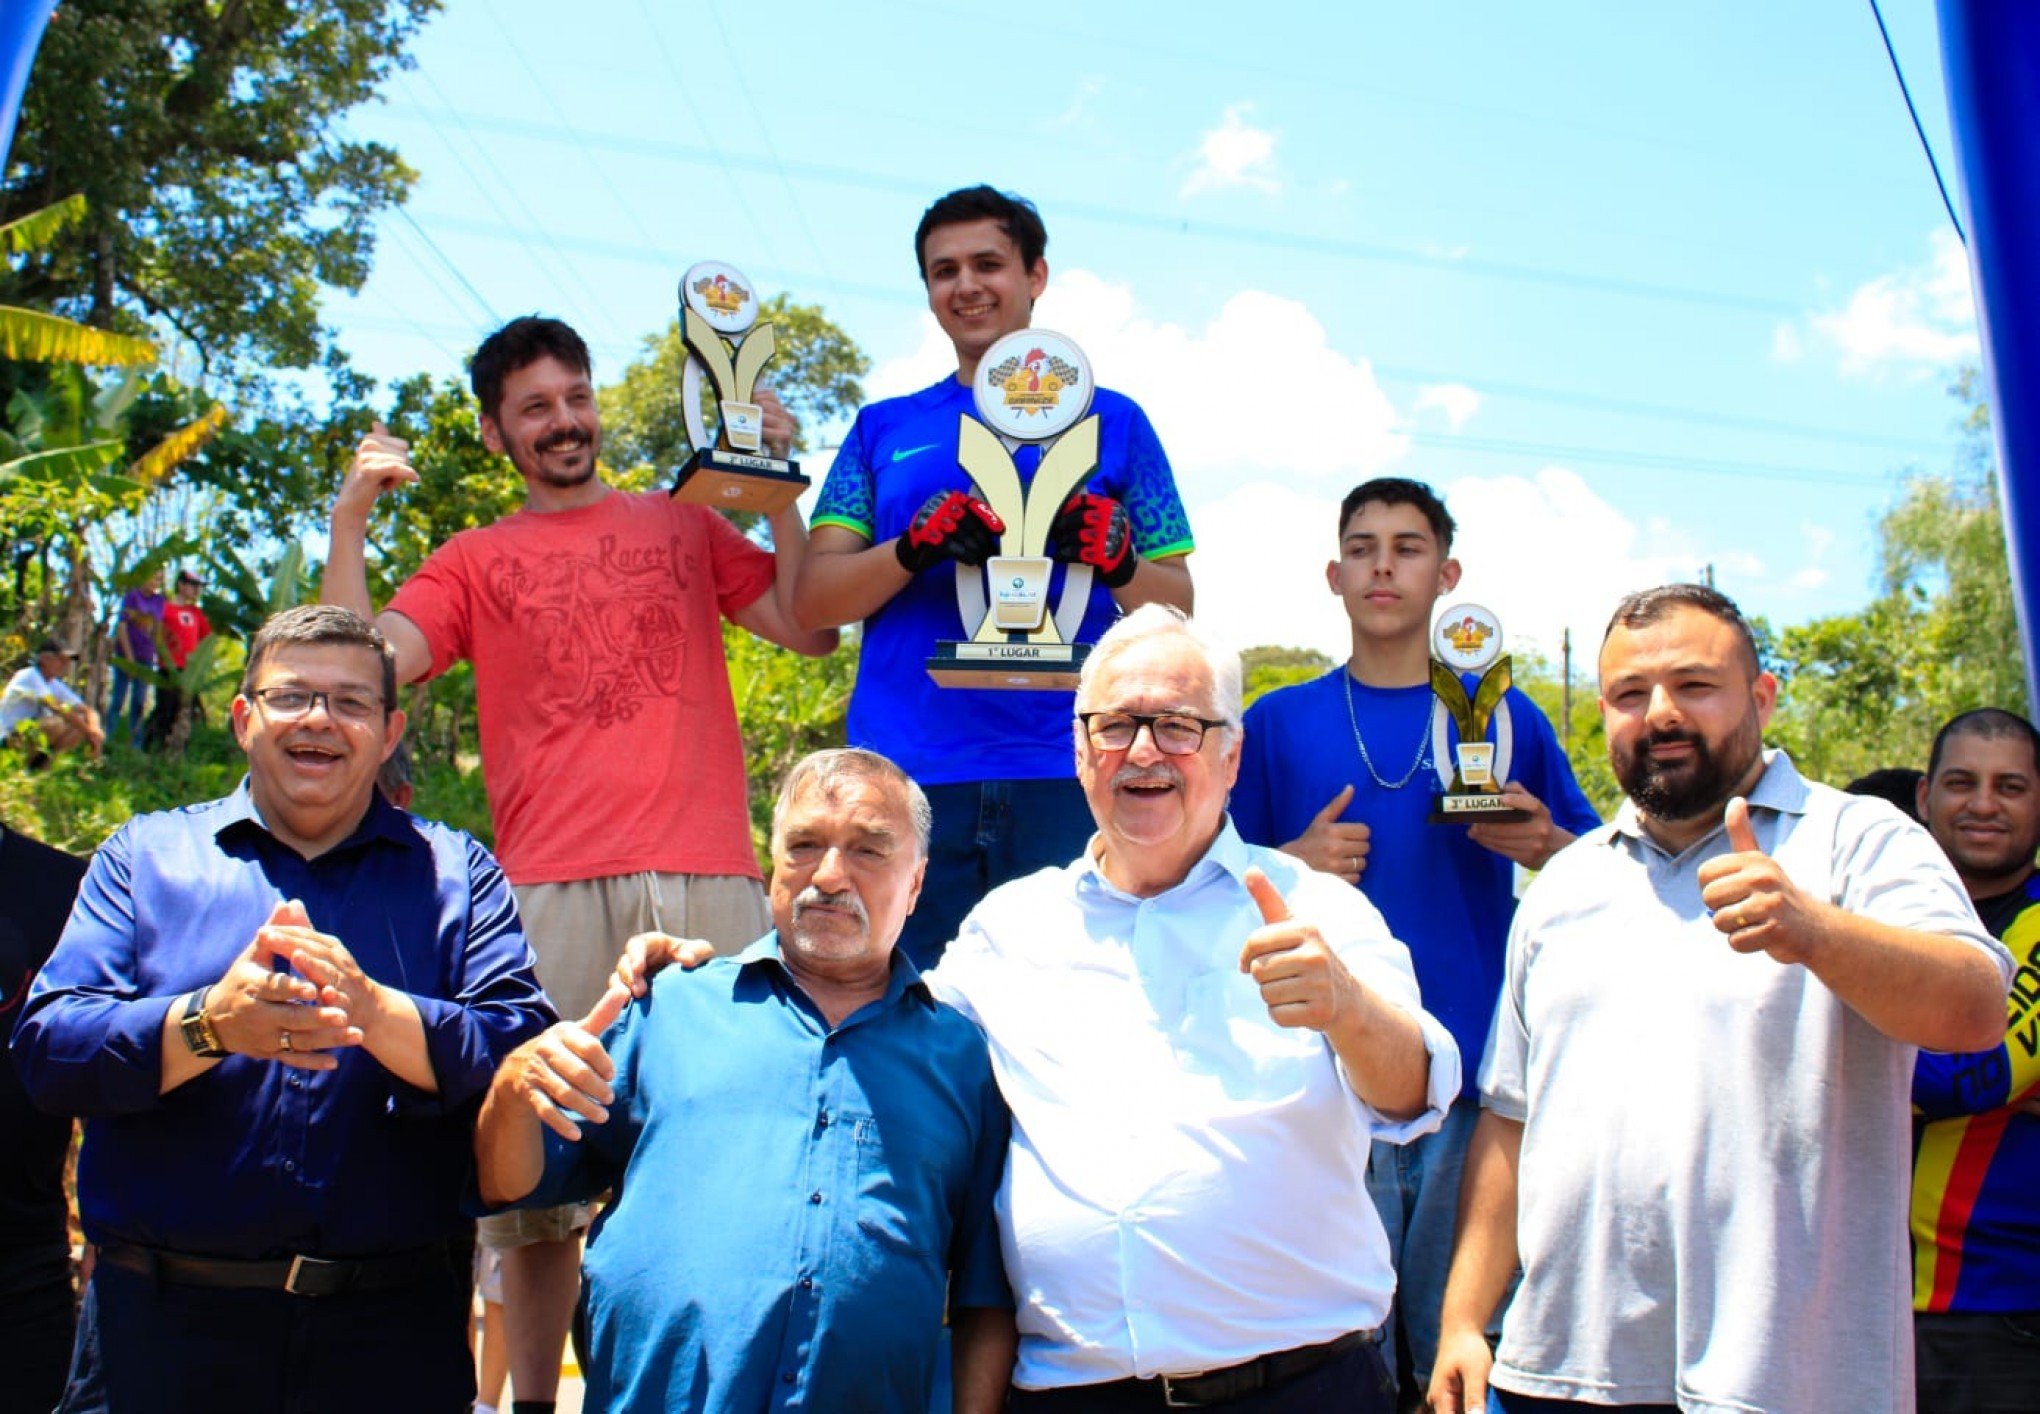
{"x": 559, "y": 442}
{"x": 1690, "y": 788}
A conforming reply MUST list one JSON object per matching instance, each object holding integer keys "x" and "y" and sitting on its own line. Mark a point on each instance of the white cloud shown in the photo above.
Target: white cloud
{"x": 1455, "y": 400}
{"x": 1078, "y": 113}
{"x": 1234, "y": 154}
{"x": 1912, "y": 323}
{"x": 1257, "y": 389}
{"x": 1544, "y": 552}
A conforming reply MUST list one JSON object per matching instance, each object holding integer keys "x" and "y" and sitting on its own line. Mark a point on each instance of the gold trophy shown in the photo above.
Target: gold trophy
{"x": 1468, "y": 639}
{"x": 1033, "y": 386}
{"x": 718, "y": 307}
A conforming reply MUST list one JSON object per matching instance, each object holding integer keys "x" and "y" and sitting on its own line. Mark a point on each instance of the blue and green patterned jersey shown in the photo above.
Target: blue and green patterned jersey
{"x": 898, "y": 454}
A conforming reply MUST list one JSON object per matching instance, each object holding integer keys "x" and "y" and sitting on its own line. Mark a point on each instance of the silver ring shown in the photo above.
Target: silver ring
{"x": 285, "y": 1042}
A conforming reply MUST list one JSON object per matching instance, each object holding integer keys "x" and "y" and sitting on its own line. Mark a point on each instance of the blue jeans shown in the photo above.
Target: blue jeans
{"x": 132, "y": 693}
{"x": 1977, "y": 1362}
{"x": 986, "y": 833}
{"x": 1415, "y": 1188}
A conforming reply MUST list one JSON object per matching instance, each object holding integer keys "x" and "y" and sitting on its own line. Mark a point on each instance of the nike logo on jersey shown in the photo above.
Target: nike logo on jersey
{"x": 903, "y": 453}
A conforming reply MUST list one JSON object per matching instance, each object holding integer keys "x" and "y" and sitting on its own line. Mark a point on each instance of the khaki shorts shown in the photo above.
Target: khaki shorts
{"x": 578, "y": 930}
{"x": 521, "y": 1227}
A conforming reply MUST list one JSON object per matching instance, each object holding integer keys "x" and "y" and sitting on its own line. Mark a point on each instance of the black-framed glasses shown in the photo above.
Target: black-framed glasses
{"x": 1174, "y": 733}
{"x": 344, "y": 704}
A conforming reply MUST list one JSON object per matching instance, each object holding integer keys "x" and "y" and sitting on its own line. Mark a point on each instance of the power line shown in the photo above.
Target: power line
{"x": 1594, "y": 402}
{"x": 1339, "y": 247}
{"x": 481, "y": 303}
{"x": 1666, "y": 461}
{"x": 488, "y": 192}
{"x": 1896, "y": 72}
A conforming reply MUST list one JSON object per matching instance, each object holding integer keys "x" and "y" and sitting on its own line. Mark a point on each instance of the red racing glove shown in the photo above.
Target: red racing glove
{"x": 951, "y": 525}
{"x": 1094, "y": 530}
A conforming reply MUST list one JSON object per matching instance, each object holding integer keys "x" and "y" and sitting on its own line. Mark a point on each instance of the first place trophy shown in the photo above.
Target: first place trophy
{"x": 718, "y": 308}
{"x": 1032, "y": 386}
{"x": 1468, "y": 639}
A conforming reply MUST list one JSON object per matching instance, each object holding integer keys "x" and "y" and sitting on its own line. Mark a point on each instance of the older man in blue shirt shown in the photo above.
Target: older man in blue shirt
{"x": 806, "y": 1144}
{"x": 276, "y": 1013}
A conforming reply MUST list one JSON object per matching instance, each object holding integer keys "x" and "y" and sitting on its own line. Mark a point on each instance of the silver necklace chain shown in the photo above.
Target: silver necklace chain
{"x": 1423, "y": 743}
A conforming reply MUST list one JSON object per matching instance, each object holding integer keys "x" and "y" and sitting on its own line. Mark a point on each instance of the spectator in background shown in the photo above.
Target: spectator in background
{"x": 395, "y": 778}
{"x": 1976, "y": 1151}
{"x": 37, "y": 885}
{"x": 135, "y": 638}
{"x": 1898, "y": 784}
{"x": 41, "y": 713}
{"x": 185, "y": 626}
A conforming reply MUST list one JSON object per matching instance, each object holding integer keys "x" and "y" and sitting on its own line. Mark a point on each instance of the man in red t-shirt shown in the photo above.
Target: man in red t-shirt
{"x": 610, "y": 749}
{"x": 185, "y": 626}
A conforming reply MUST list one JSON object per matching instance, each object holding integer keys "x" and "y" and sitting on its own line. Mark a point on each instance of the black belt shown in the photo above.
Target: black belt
{"x": 1220, "y": 1387}
{"x": 300, "y": 1276}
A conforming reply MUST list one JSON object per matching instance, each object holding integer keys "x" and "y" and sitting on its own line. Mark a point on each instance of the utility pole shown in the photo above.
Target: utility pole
{"x": 1565, "y": 690}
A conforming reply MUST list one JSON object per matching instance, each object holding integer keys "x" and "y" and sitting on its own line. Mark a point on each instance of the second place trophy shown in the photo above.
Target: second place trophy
{"x": 719, "y": 324}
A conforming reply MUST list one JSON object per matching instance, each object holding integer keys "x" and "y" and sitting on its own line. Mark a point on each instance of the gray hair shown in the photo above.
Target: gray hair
{"x": 1151, "y": 621}
{"x": 821, "y": 768}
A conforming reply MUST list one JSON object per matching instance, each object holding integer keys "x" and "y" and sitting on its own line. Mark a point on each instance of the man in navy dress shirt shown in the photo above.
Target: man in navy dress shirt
{"x": 276, "y": 1013}
{"x": 806, "y": 1144}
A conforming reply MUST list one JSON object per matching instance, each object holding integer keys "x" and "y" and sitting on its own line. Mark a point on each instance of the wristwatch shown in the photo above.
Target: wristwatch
{"x": 197, "y": 1028}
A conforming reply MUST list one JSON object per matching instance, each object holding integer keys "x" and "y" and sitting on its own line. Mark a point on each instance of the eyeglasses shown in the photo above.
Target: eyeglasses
{"x": 1174, "y": 733}
{"x": 287, "y": 704}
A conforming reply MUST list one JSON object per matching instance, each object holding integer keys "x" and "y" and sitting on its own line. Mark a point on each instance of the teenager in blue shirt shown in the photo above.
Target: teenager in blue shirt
{"x": 1339, "y": 772}
{"x": 895, "y": 519}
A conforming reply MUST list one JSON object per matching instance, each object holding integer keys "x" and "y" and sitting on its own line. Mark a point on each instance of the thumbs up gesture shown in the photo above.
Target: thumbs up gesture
{"x": 1302, "y": 981}
{"x": 564, "y": 1071}
{"x": 381, "y": 463}
{"x": 1334, "y": 846}
{"x": 1752, "y": 899}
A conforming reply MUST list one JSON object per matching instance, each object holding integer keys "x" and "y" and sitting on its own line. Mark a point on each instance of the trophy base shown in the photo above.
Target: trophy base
{"x": 1023, "y": 666}
{"x": 737, "y": 481}
{"x": 1472, "y": 808}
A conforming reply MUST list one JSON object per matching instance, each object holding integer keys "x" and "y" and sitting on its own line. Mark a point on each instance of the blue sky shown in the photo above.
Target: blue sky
{"x": 1643, "y": 288}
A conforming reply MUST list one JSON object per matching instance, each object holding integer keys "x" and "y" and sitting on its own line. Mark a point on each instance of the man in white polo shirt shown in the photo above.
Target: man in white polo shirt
{"x": 1198, "y": 1039}
{"x": 1694, "y": 1120}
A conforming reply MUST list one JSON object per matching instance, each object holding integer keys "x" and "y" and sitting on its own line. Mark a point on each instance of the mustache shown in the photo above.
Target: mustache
{"x": 559, "y": 441}
{"x": 812, "y": 897}
{"x": 1673, "y": 736}
{"x": 1159, "y": 774}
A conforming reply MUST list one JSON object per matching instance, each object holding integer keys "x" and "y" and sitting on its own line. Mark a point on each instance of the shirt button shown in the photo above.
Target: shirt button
{"x": 807, "y": 1283}
{"x": 815, "y": 1197}
{"x": 290, "y": 1166}
{"x": 787, "y": 1378}
{"x": 823, "y": 1122}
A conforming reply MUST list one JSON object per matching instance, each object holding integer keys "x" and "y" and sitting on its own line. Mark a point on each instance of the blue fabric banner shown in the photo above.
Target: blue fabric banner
{"x": 1991, "y": 52}
{"x": 21, "y": 28}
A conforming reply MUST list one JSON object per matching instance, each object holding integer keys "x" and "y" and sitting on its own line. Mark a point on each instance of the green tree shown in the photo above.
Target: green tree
{"x": 1267, "y": 668}
{"x": 1869, "y": 689}
{"x": 205, "y": 140}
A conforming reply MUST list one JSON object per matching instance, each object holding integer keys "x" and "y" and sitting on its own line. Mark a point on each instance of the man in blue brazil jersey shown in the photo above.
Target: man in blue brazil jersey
{"x": 1339, "y": 772}
{"x": 897, "y": 515}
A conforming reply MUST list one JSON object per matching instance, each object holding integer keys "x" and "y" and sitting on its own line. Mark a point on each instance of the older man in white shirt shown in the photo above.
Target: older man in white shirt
{"x": 1198, "y": 1039}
